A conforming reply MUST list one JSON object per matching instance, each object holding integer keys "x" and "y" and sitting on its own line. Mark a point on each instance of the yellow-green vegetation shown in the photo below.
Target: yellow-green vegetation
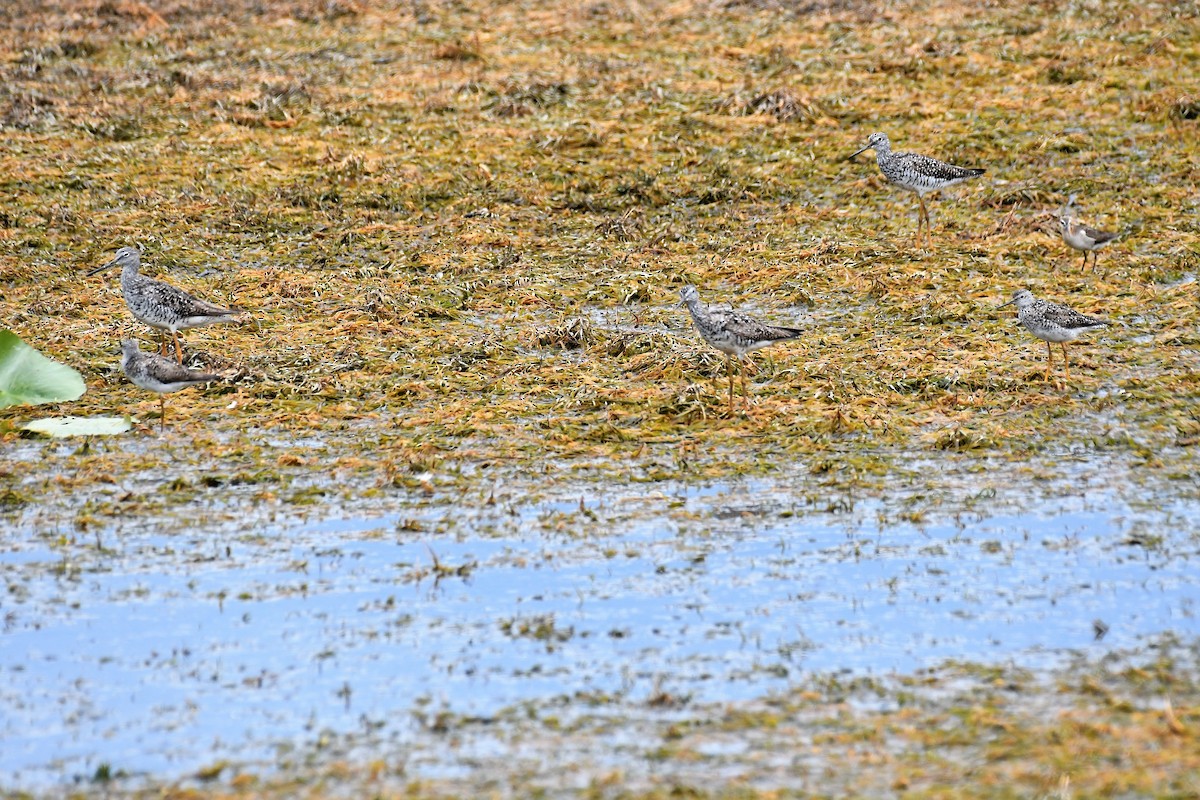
{"x": 459, "y": 230}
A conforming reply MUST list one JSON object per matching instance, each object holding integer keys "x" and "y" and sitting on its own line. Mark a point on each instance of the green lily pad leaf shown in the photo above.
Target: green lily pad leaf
{"x": 61, "y": 427}
{"x": 28, "y": 378}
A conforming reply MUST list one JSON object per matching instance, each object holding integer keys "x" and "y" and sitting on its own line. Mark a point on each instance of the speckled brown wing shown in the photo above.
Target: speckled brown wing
{"x": 923, "y": 172}
{"x": 146, "y": 369}
{"x": 178, "y": 303}
{"x": 1099, "y": 237}
{"x": 749, "y": 329}
{"x": 1069, "y": 318}
{"x": 167, "y": 371}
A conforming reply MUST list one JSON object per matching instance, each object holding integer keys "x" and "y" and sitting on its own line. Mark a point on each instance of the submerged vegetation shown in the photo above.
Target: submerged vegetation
{"x": 459, "y": 231}
{"x": 1124, "y": 727}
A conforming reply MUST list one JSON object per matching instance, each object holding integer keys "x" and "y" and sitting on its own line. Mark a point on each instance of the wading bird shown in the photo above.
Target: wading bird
{"x": 1081, "y": 237}
{"x": 152, "y": 371}
{"x": 1051, "y": 322}
{"x": 733, "y": 333}
{"x": 160, "y": 305}
{"x": 915, "y": 173}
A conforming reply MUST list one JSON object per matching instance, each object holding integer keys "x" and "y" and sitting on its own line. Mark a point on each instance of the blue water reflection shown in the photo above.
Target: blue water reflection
{"x": 166, "y": 653}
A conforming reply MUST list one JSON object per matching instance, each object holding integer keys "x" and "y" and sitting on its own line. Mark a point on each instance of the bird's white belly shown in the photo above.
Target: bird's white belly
{"x": 1080, "y": 241}
{"x": 152, "y": 321}
{"x": 726, "y": 343}
{"x": 1052, "y": 333}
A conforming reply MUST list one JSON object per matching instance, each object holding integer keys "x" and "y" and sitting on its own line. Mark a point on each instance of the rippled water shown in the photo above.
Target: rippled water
{"x": 161, "y": 654}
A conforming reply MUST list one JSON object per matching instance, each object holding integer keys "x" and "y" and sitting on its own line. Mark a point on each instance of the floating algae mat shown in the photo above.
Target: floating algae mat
{"x": 160, "y": 655}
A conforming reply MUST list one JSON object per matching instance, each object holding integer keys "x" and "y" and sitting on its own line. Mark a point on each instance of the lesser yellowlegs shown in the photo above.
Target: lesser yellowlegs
{"x": 733, "y": 333}
{"x": 915, "y": 173}
{"x": 1081, "y": 237}
{"x": 161, "y": 305}
{"x": 1051, "y": 323}
{"x": 152, "y": 371}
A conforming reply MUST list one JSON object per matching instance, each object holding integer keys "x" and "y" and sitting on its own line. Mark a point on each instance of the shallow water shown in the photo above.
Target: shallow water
{"x": 161, "y": 654}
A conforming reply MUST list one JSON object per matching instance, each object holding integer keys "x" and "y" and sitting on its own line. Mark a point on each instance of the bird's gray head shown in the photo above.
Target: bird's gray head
{"x": 688, "y": 294}
{"x": 878, "y": 141}
{"x": 1022, "y": 298}
{"x": 128, "y": 347}
{"x": 1067, "y": 211}
{"x": 126, "y": 256}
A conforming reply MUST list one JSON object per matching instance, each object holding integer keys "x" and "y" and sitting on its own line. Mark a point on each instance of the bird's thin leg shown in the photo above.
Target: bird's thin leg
{"x": 925, "y": 214}
{"x": 162, "y": 342}
{"x": 162, "y": 413}
{"x": 729, "y": 372}
{"x": 742, "y": 371}
{"x": 1050, "y": 363}
{"x": 1066, "y": 362}
{"x": 920, "y": 217}
{"x": 178, "y": 349}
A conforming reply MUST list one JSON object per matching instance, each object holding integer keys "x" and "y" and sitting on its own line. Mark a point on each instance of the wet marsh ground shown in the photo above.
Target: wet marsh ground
{"x": 459, "y": 231}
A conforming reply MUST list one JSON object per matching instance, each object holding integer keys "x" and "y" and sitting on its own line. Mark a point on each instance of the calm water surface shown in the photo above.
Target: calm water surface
{"x": 161, "y": 654}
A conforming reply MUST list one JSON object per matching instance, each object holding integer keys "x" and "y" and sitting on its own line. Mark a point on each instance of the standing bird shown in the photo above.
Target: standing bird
{"x": 161, "y": 305}
{"x": 1081, "y": 237}
{"x": 733, "y": 333}
{"x": 152, "y": 371}
{"x": 916, "y": 173}
{"x": 1051, "y": 323}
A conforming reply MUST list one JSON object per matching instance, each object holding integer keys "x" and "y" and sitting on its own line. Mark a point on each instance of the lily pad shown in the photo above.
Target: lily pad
{"x": 29, "y": 378}
{"x": 62, "y": 427}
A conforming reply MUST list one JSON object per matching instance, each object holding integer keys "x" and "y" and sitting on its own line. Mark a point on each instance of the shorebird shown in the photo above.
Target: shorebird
{"x": 1081, "y": 237}
{"x": 152, "y": 371}
{"x": 915, "y": 172}
{"x": 1051, "y": 323}
{"x": 733, "y": 333}
{"x": 160, "y": 305}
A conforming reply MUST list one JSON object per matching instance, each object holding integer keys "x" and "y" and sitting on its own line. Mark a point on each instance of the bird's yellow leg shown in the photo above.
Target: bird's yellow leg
{"x": 1066, "y": 362}
{"x": 1050, "y": 363}
{"x": 178, "y": 349}
{"x": 742, "y": 372}
{"x": 925, "y": 219}
{"x": 729, "y": 372}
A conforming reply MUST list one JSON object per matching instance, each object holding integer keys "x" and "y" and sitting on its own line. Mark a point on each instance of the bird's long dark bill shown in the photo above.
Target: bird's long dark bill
{"x": 102, "y": 268}
{"x": 856, "y": 152}
{"x": 1009, "y": 303}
